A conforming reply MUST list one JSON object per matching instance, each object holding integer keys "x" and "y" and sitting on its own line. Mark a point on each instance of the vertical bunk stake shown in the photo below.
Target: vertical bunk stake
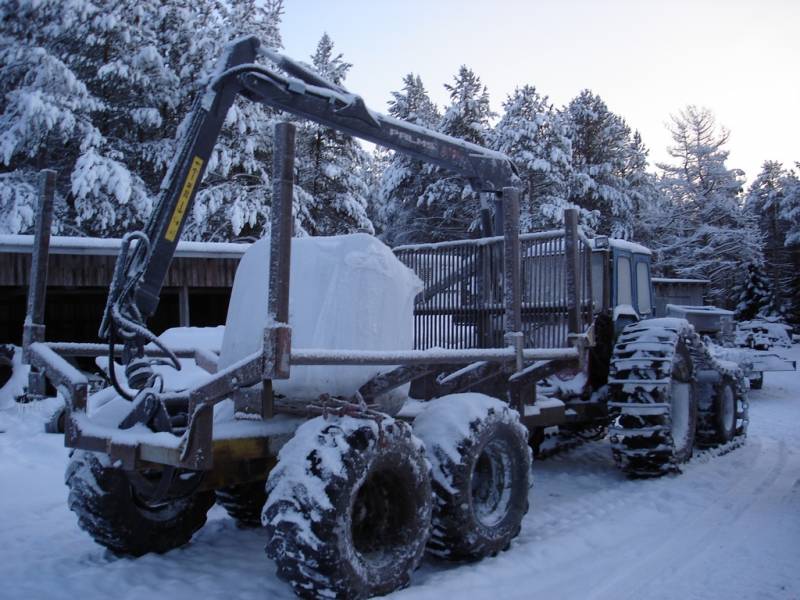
{"x": 33, "y": 330}
{"x": 574, "y": 322}
{"x": 277, "y": 338}
{"x": 512, "y": 290}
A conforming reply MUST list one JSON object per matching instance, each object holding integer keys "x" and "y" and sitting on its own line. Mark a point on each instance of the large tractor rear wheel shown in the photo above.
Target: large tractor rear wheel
{"x": 481, "y": 465}
{"x": 349, "y": 507}
{"x": 652, "y": 385}
{"x": 113, "y": 508}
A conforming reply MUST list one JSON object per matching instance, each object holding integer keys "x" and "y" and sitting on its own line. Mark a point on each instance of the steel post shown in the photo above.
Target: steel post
{"x": 281, "y": 228}
{"x": 500, "y": 208}
{"x": 571, "y": 242}
{"x": 512, "y": 275}
{"x": 487, "y": 228}
{"x": 281, "y": 221}
{"x": 33, "y": 329}
{"x": 511, "y": 261}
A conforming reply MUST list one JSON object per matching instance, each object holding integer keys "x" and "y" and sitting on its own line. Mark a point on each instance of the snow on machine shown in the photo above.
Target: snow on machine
{"x": 303, "y": 422}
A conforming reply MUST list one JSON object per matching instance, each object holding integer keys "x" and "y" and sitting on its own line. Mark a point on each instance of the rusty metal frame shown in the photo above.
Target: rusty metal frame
{"x": 249, "y": 382}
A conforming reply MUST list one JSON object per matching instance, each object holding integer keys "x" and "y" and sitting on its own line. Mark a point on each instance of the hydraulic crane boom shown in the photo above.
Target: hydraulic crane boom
{"x": 300, "y": 92}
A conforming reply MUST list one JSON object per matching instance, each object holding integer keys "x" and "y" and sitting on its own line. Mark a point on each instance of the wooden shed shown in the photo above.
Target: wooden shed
{"x": 196, "y": 290}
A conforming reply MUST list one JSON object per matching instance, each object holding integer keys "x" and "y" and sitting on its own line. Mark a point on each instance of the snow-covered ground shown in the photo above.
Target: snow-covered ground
{"x": 728, "y": 527}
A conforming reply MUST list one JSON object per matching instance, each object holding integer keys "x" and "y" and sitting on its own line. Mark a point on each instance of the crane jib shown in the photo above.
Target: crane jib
{"x": 183, "y": 201}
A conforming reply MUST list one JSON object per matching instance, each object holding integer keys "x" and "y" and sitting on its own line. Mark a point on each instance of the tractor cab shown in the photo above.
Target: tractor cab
{"x": 621, "y": 280}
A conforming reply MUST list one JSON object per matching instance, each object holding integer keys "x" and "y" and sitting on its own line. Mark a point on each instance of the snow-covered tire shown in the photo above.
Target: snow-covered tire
{"x": 349, "y": 507}
{"x": 481, "y": 464}
{"x": 244, "y": 502}
{"x": 110, "y": 511}
{"x": 719, "y": 412}
{"x": 652, "y": 385}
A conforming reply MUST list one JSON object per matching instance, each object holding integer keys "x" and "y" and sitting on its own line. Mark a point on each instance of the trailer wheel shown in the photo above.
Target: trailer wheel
{"x": 757, "y": 381}
{"x": 117, "y": 517}
{"x": 349, "y": 507}
{"x": 481, "y": 465}
{"x": 244, "y": 502}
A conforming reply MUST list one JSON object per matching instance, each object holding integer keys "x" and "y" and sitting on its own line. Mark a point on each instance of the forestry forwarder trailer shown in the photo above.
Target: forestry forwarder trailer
{"x": 354, "y": 498}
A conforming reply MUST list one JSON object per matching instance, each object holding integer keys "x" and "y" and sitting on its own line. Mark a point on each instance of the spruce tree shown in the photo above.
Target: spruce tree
{"x": 98, "y": 91}
{"x": 753, "y": 294}
{"x": 454, "y": 208}
{"x": 706, "y": 235}
{"x": 404, "y": 179}
{"x": 601, "y": 154}
{"x": 236, "y": 195}
{"x": 765, "y": 200}
{"x": 790, "y": 209}
{"x": 790, "y": 216}
{"x": 645, "y": 195}
{"x": 76, "y": 78}
{"x": 333, "y": 169}
{"x": 535, "y": 137}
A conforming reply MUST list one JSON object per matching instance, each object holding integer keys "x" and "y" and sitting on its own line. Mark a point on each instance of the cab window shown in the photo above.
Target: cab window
{"x": 643, "y": 304}
{"x": 624, "y": 295}
{"x": 598, "y": 262}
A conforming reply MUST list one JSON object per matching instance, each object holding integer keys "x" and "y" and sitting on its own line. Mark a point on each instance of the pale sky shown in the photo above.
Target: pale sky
{"x": 645, "y": 58}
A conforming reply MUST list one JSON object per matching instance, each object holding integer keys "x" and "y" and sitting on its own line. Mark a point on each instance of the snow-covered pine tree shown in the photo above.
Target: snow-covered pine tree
{"x": 48, "y": 114}
{"x": 454, "y": 208}
{"x": 121, "y": 61}
{"x": 101, "y": 89}
{"x": 235, "y": 198}
{"x": 790, "y": 214}
{"x": 790, "y": 210}
{"x": 332, "y": 168}
{"x": 764, "y": 202}
{"x": 535, "y": 137}
{"x": 376, "y": 208}
{"x": 601, "y": 155}
{"x": 707, "y": 235}
{"x": 753, "y": 296}
{"x": 404, "y": 179}
{"x": 645, "y": 194}
{"x": 45, "y": 116}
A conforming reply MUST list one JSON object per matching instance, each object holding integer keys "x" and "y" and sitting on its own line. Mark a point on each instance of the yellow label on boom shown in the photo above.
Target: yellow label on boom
{"x": 183, "y": 201}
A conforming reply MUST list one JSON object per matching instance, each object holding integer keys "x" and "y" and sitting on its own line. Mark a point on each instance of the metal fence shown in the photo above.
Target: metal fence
{"x": 461, "y": 305}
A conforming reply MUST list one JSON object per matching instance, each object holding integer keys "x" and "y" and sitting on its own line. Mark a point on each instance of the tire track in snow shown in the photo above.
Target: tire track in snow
{"x": 694, "y": 537}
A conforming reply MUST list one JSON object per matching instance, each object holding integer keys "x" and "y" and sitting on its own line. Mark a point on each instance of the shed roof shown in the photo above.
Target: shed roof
{"x": 23, "y": 244}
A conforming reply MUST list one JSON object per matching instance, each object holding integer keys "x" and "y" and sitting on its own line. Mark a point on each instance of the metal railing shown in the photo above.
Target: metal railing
{"x": 461, "y": 305}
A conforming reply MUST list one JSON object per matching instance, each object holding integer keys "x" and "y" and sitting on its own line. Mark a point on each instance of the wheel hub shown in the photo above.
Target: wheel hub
{"x": 491, "y": 484}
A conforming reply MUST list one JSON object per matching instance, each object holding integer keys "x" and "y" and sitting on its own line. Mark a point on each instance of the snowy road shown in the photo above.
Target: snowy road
{"x": 728, "y": 527}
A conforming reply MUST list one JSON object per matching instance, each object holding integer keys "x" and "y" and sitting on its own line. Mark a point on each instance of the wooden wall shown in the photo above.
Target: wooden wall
{"x": 78, "y": 286}
{"x": 75, "y": 270}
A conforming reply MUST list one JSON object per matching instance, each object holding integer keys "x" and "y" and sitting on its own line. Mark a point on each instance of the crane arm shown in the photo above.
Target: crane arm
{"x": 300, "y": 92}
